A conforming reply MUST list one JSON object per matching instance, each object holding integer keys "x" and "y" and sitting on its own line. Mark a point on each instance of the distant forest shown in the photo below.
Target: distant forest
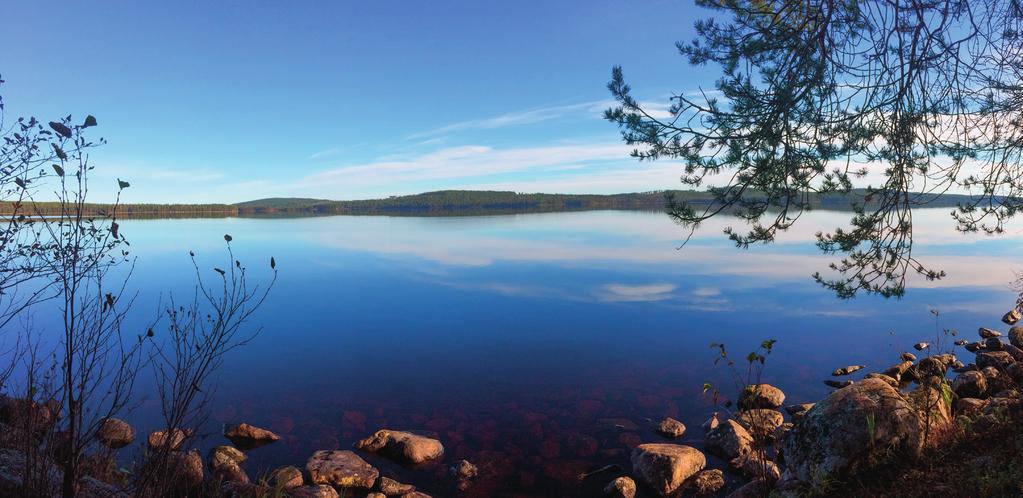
{"x": 446, "y": 203}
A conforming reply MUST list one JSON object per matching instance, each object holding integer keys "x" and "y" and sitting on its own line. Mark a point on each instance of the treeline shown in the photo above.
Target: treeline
{"x": 448, "y": 203}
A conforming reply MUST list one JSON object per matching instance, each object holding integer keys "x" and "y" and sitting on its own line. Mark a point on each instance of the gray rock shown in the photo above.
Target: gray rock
{"x": 910, "y": 357}
{"x": 920, "y": 346}
{"x": 756, "y": 466}
{"x": 834, "y": 439}
{"x": 838, "y": 384}
{"x": 464, "y": 470}
{"x": 173, "y": 439}
{"x": 711, "y": 422}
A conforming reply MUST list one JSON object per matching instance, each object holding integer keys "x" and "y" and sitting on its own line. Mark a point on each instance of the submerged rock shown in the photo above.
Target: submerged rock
{"x": 665, "y": 467}
{"x": 761, "y": 396}
{"x": 247, "y": 436}
{"x": 341, "y": 469}
{"x": 847, "y": 370}
{"x": 671, "y": 428}
{"x": 851, "y": 429}
{"x": 403, "y": 446}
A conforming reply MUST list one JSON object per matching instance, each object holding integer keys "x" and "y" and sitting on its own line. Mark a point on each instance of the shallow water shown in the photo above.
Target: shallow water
{"x": 538, "y": 346}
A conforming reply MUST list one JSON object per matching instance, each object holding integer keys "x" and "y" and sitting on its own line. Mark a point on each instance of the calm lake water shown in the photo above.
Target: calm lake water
{"x": 538, "y": 346}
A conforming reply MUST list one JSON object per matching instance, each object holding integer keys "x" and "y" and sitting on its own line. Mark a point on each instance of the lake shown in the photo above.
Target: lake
{"x": 539, "y": 346}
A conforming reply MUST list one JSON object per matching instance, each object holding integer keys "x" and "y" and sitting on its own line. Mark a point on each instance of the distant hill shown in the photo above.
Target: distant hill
{"x": 456, "y": 203}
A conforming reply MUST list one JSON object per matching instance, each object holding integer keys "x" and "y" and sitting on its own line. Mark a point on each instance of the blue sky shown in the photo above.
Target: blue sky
{"x": 231, "y": 101}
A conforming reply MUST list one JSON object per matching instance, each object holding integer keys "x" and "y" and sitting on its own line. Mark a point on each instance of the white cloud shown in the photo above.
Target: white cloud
{"x": 636, "y": 293}
{"x": 524, "y": 117}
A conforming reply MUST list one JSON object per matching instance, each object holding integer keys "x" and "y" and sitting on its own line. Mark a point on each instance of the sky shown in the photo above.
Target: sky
{"x": 233, "y": 101}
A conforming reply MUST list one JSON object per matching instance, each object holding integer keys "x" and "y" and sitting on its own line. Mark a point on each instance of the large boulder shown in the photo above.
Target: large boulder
{"x": 998, "y": 359}
{"x": 341, "y": 469}
{"x": 403, "y": 446}
{"x": 728, "y": 440}
{"x": 247, "y": 436}
{"x": 664, "y": 467}
{"x": 1016, "y": 336}
{"x": 761, "y": 396}
{"x": 934, "y": 407}
{"x": 115, "y": 433}
{"x": 851, "y": 429}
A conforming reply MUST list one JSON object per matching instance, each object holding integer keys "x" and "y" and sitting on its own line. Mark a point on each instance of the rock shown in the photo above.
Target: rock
{"x": 12, "y": 472}
{"x": 711, "y": 422}
{"x": 704, "y": 483}
{"x": 897, "y": 371}
{"x": 229, "y": 471}
{"x": 341, "y": 469}
{"x": 757, "y": 467}
{"x": 390, "y": 487}
{"x": 622, "y": 487}
{"x": 797, "y": 411}
{"x": 760, "y": 422}
{"x": 920, "y": 346}
{"x": 1016, "y": 336}
{"x": 754, "y": 489}
{"x": 664, "y": 467}
{"x": 996, "y": 380}
{"x": 90, "y": 487}
{"x": 970, "y": 385}
{"x": 998, "y": 359}
{"x": 415, "y": 494}
{"x": 314, "y": 491}
{"x": 761, "y": 396}
{"x": 969, "y": 406}
{"x": 286, "y": 477}
{"x": 1015, "y": 372}
{"x": 1011, "y": 318}
{"x": 835, "y": 439}
{"x": 993, "y": 344}
{"x": 29, "y": 415}
{"x": 960, "y": 342}
{"x": 173, "y": 439}
{"x": 728, "y": 440}
{"x": 847, "y": 370}
{"x": 376, "y": 495}
{"x": 115, "y": 433}
{"x": 986, "y": 333}
{"x": 247, "y": 436}
{"x": 464, "y": 470}
{"x": 973, "y": 347}
{"x": 782, "y": 431}
{"x": 892, "y": 382}
{"x": 970, "y": 367}
{"x": 187, "y": 469}
{"x": 670, "y": 427}
{"x": 910, "y": 357}
{"x": 936, "y": 411}
{"x": 1016, "y": 353}
{"x": 402, "y": 446}
{"x": 838, "y": 384}
{"x": 932, "y": 366}
{"x": 222, "y": 454}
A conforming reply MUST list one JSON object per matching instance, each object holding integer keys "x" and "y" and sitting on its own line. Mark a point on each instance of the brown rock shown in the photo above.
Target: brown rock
{"x": 314, "y": 491}
{"x": 390, "y": 487}
{"x": 998, "y": 359}
{"x": 760, "y": 422}
{"x": 1011, "y": 318}
{"x": 187, "y": 470}
{"x": 756, "y": 466}
{"x": 1016, "y": 336}
{"x": 403, "y": 446}
{"x": 286, "y": 477}
{"x": 115, "y": 433}
{"x": 847, "y": 370}
{"x": 705, "y": 482}
{"x": 341, "y": 469}
{"x": 671, "y": 428}
{"x": 728, "y": 440}
{"x": 761, "y": 396}
{"x": 664, "y": 467}
{"x": 797, "y": 411}
{"x": 753, "y": 489}
{"x": 711, "y": 422}
{"x": 908, "y": 357}
{"x": 971, "y": 384}
{"x": 464, "y": 470}
{"x": 173, "y": 439}
{"x": 986, "y": 333}
{"x": 622, "y": 487}
{"x": 247, "y": 436}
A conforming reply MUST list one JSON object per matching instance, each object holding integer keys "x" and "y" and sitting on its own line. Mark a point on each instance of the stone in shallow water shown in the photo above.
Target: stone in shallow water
{"x": 670, "y": 427}
{"x": 341, "y": 469}
{"x": 911, "y": 356}
{"x": 920, "y": 346}
{"x": 847, "y": 370}
{"x": 797, "y": 411}
{"x": 247, "y": 436}
{"x": 705, "y": 482}
{"x": 760, "y": 422}
{"x": 173, "y": 438}
{"x": 115, "y": 433}
{"x": 728, "y": 440}
{"x": 986, "y": 333}
{"x": 403, "y": 446}
{"x": 314, "y": 491}
{"x": 390, "y": 487}
{"x": 1011, "y": 317}
{"x": 665, "y": 467}
{"x": 286, "y": 477}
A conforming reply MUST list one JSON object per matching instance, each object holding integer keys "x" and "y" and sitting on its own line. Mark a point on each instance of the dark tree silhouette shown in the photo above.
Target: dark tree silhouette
{"x": 815, "y": 95}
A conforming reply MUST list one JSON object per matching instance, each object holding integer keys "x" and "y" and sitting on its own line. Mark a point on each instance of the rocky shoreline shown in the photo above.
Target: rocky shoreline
{"x": 895, "y": 415}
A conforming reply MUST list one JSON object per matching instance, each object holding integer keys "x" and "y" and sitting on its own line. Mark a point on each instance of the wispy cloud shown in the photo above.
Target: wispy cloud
{"x": 636, "y": 293}
{"x": 522, "y": 117}
{"x": 326, "y": 153}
